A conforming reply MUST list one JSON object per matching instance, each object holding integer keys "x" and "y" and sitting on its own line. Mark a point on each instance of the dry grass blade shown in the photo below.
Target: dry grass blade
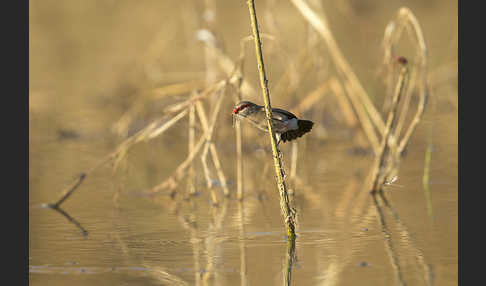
{"x": 377, "y": 174}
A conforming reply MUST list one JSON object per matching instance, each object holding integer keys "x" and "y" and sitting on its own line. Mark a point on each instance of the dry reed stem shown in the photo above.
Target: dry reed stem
{"x": 171, "y": 181}
{"x": 229, "y": 67}
{"x": 69, "y": 191}
{"x": 159, "y": 130}
{"x": 284, "y": 199}
{"x": 405, "y": 104}
{"x": 144, "y": 134}
{"x": 122, "y": 125}
{"x": 237, "y": 96}
{"x": 312, "y": 98}
{"x": 377, "y": 175}
{"x": 147, "y": 132}
{"x": 151, "y": 131}
{"x": 321, "y": 25}
{"x": 332, "y": 85}
{"x": 346, "y": 107}
{"x": 212, "y": 148}
{"x": 406, "y": 19}
{"x": 208, "y": 91}
{"x": 191, "y": 138}
{"x": 364, "y": 119}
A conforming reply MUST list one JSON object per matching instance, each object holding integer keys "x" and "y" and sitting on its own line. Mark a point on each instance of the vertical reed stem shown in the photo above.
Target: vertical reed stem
{"x": 284, "y": 198}
{"x": 192, "y": 122}
{"x": 390, "y": 123}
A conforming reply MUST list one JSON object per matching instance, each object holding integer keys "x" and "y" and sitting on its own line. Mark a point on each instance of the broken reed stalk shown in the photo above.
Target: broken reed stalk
{"x": 122, "y": 125}
{"x": 151, "y": 131}
{"x": 171, "y": 182}
{"x": 69, "y": 191}
{"x": 377, "y": 176}
{"x": 406, "y": 19}
{"x": 214, "y": 153}
{"x": 284, "y": 198}
{"x": 320, "y": 24}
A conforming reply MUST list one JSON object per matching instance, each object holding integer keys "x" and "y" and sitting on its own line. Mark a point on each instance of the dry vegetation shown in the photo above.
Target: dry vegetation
{"x": 226, "y": 79}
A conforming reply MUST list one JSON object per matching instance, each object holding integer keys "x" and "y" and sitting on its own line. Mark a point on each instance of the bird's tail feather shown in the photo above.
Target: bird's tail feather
{"x": 304, "y": 127}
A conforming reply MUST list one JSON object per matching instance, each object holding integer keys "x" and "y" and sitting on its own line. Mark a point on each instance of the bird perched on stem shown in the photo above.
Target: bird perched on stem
{"x": 286, "y": 125}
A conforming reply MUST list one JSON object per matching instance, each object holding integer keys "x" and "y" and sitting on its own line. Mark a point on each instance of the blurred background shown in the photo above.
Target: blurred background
{"x": 101, "y": 71}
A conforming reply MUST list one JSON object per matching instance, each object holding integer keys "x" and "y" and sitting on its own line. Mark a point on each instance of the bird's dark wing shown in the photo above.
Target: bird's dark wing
{"x": 284, "y": 112}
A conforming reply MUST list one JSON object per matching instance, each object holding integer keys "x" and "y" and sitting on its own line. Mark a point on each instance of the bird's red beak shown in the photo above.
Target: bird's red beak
{"x": 235, "y": 110}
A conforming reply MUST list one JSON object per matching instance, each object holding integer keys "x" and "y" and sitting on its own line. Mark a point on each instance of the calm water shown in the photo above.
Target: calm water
{"x": 343, "y": 238}
{"x": 85, "y": 71}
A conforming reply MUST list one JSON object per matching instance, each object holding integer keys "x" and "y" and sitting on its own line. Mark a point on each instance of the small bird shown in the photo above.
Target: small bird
{"x": 286, "y": 125}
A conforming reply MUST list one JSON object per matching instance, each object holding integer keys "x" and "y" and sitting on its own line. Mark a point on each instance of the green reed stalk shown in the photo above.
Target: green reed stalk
{"x": 284, "y": 198}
